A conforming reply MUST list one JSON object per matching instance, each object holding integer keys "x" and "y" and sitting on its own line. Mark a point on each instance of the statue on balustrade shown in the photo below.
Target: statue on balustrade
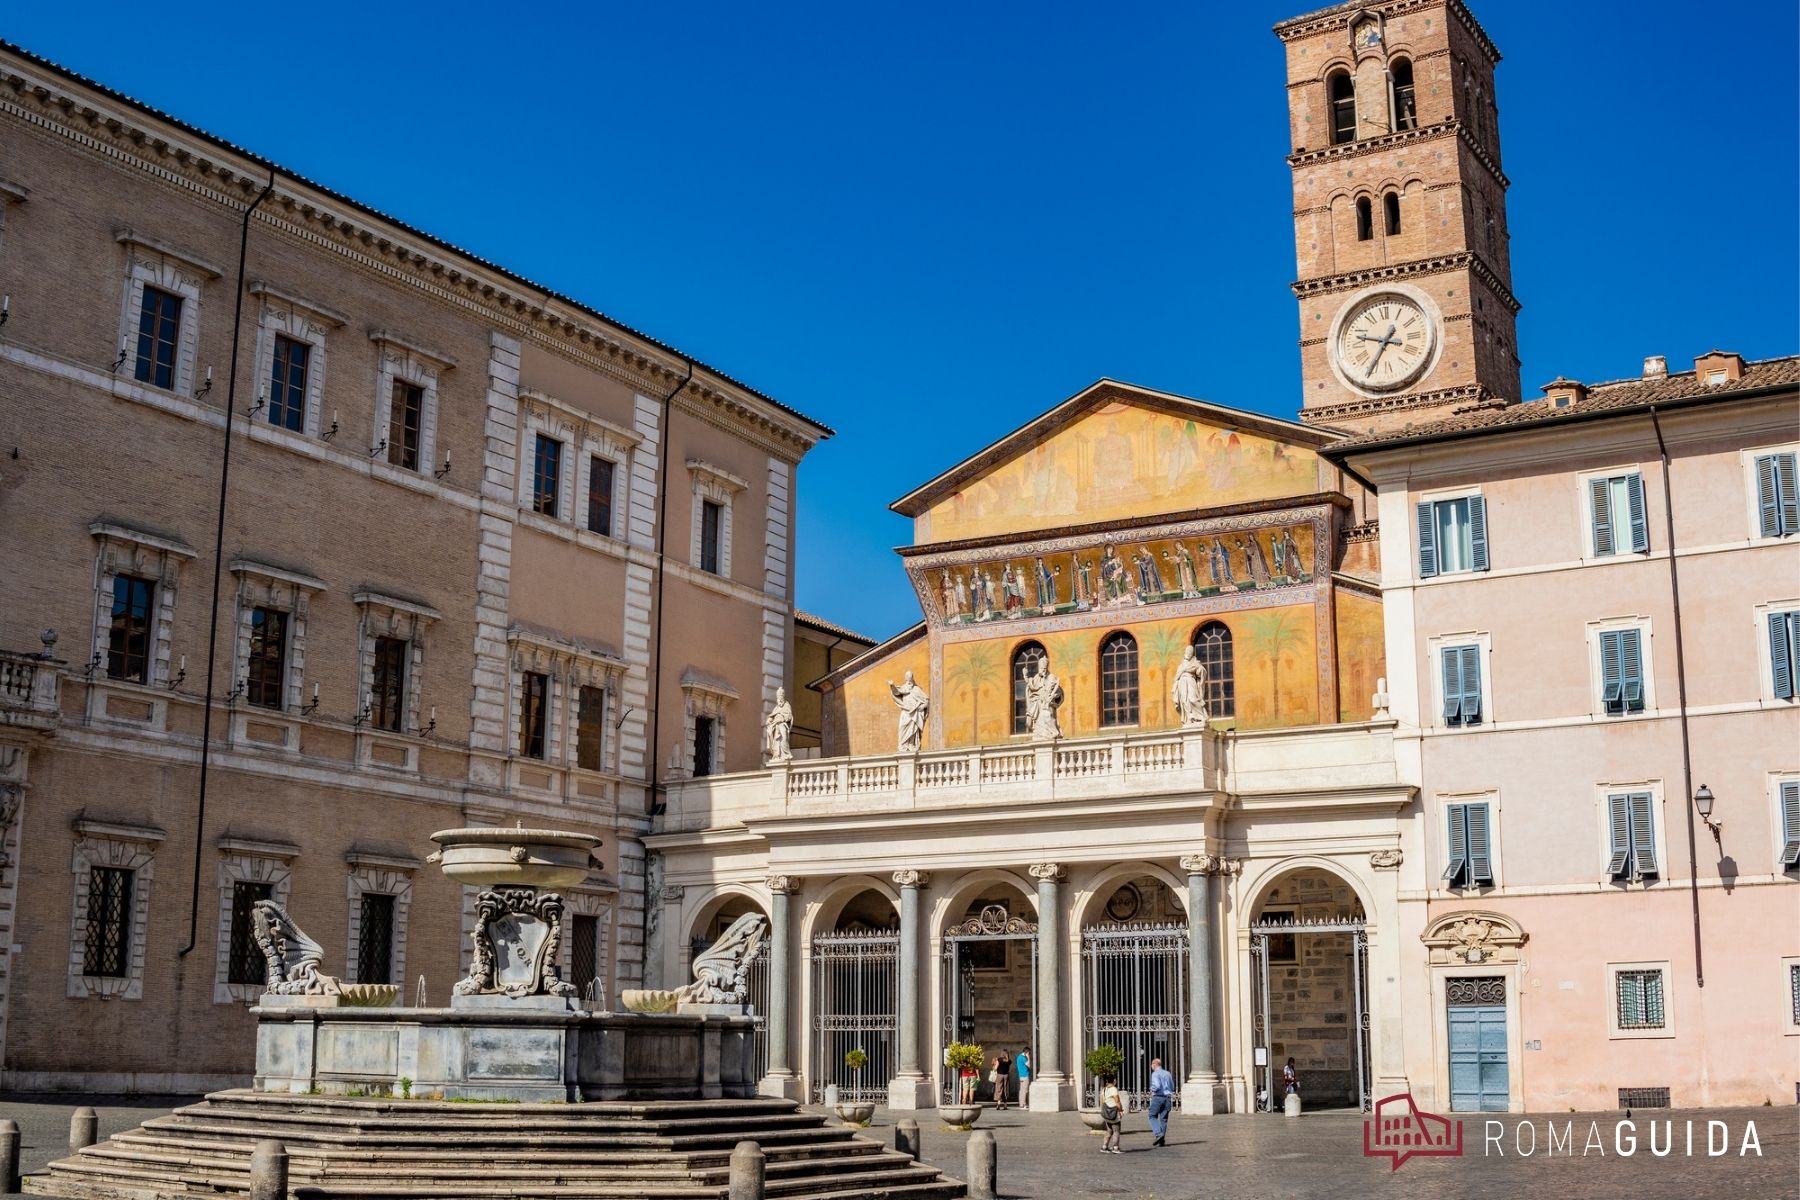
{"x": 777, "y": 729}
{"x": 1189, "y": 689}
{"x": 914, "y": 706}
{"x": 1043, "y": 696}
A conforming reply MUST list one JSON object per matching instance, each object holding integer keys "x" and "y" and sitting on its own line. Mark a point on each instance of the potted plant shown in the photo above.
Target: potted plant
{"x": 1103, "y": 1060}
{"x": 852, "y": 1113}
{"x": 964, "y": 1060}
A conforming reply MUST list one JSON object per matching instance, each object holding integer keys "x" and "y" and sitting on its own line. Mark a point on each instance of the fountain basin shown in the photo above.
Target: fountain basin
{"x": 497, "y": 857}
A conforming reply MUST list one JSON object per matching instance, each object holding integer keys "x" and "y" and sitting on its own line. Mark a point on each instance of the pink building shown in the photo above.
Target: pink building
{"x": 1592, "y": 611}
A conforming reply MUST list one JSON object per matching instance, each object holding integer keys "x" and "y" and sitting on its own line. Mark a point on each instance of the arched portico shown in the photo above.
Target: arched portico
{"x": 984, "y": 942}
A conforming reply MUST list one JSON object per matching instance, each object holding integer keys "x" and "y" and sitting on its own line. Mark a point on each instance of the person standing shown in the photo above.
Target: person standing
{"x": 1022, "y": 1068}
{"x": 1112, "y": 1114}
{"x": 1162, "y": 1101}
{"x": 1290, "y": 1079}
{"x": 997, "y": 1076}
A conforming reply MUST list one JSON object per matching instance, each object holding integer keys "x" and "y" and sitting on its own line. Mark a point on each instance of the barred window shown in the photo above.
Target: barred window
{"x": 1794, "y": 992}
{"x": 128, "y": 640}
{"x": 388, "y": 698}
{"x": 287, "y": 383}
{"x": 375, "y": 942}
{"x": 159, "y": 332}
{"x": 1119, "y": 680}
{"x": 584, "y": 953}
{"x": 106, "y": 949}
{"x": 1212, "y": 646}
{"x": 534, "y": 698}
{"x": 245, "y": 963}
{"x": 1640, "y": 999}
{"x": 267, "y": 668}
{"x": 704, "y": 732}
{"x": 590, "y": 729}
{"x": 711, "y": 521}
{"x": 406, "y": 417}
{"x": 1024, "y": 666}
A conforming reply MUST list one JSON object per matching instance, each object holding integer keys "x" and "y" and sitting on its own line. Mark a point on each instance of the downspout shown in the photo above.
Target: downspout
{"x": 1687, "y": 760}
{"x": 212, "y": 629}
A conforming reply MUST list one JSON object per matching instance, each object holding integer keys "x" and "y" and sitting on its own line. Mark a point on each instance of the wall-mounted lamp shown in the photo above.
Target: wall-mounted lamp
{"x": 378, "y": 447}
{"x": 5, "y": 308}
{"x": 180, "y": 675}
{"x": 120, "y": 361}
{"x": 307, "y": 710}
{"x": 231, "y": 697}
{"x": 93, "y": 664}
{"x": 205, "y": 387}
{"x": 443, "y": 470}
{"x": 1703, "y": 804}
{"x": 333, "y": 431}
{"x": 363, "y": 714}
{"x": 429, "y": 726}
{"x": 262, "y": 401}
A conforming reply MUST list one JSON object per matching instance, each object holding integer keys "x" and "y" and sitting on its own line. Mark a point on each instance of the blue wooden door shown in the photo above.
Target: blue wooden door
{"x": 1478, "y": 1080}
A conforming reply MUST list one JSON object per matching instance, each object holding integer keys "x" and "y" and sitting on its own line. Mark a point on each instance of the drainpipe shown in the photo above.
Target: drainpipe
{"x": 1687, "y": 759}
{"x": 212, "y": 629}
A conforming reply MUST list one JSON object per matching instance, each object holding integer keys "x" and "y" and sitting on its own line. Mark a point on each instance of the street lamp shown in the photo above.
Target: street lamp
{"x": 1703, "y": 804}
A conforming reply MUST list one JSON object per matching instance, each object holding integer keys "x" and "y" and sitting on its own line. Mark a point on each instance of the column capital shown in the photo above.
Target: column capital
{"x": 672, "y": 894}
{"x": 1202, "y": 864}
{"x": 1049, "y": 872}
{"x": 912, "y": 879}
{"x": 782, "y": 885}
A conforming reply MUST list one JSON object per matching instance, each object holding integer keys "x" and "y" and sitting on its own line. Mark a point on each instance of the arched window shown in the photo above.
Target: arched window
{"x": 1406, "y": 105}
{"x": 1119, "y": 680}
{"x": 1365, "y": 219}
{"x": 1390, "y": 210}
{"x": 1342, "y": 94}
{"x": 1212, "y": 646}
{"x": 1024, "y": 665}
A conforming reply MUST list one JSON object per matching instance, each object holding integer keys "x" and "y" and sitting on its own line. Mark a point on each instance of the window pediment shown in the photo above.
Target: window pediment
{"x": 151, "y": 250}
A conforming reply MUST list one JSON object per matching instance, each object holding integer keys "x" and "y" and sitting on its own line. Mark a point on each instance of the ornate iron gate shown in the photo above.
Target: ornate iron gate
{"x": 1269, "y": 1097}
{"x": 855, "y": 995}
{"x": 956, "y": 981}
{"x": 1135, "y": 996}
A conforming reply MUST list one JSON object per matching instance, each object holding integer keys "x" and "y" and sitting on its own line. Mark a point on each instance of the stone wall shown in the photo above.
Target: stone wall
{"x": 1312, "y": 1007}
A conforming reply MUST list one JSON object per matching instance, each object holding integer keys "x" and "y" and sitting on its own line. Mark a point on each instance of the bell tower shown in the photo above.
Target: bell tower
{"x": 1404, "y": 278}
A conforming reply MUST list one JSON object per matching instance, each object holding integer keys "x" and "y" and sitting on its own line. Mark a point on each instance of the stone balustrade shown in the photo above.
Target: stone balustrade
{"x": 28, "y": 690}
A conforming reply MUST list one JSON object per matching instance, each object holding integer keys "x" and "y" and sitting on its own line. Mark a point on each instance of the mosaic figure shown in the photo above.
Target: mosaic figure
{"x": 1295, "y": 569}
{"x": 1084, "y": 583}
{"x": 1112, "y": 574}
{"x": 1046, "y": 586}
{"x": 1013, "y": 588}
{"x": 1185, "y": 578}
{"x": 1220, "y": 562}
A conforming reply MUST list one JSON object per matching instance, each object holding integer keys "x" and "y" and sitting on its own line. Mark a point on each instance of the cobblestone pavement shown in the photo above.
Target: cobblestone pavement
{"x": 1054, "y": 1157}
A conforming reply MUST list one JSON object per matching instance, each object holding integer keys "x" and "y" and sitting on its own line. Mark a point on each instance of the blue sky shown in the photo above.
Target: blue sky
{"x": 923, "y": 224}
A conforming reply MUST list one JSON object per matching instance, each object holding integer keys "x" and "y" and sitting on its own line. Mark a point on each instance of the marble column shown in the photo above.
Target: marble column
{"x": 782, "y": 1080}
{"x": 1200, "y": 1090}
{"x": 1051, "y": 1089}
{"x": 909, "y": 1089}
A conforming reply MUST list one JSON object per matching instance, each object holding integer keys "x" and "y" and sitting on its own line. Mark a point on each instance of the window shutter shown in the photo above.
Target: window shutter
{"x": 1640, "y": 526}
{"x": 1600, "y": 506}
{"x": 1619, "y": 824}
{"x": 1459, "y": 843}
{"x": 1631, "y": 660}
{"x": 1612, "y": 671}
{"x": 1768, "y": 510}
{"x": 1478, "y": 550}
{"x": 1790, "y": 822}
{"x": 1428, "y": 559}
{"x": 1471, "y": 683}
{"x": 1643, "y": 836}
{"x": 1452, "y": 685}
{"x": 1481, "y": 865}
{"x": 1787, "y": 493}
{"x": 1781, "y": 660}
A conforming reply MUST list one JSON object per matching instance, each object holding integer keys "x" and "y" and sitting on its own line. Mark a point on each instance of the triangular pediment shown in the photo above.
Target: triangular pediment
{"x": 1114, "y": 452}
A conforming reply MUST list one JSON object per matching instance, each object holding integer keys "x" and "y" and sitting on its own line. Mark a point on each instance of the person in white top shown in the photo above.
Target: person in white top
{"x": 1112, "y": 1112}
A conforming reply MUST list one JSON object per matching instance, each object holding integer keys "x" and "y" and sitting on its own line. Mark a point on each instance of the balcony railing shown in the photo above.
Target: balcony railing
{"x": 28, "y": 690}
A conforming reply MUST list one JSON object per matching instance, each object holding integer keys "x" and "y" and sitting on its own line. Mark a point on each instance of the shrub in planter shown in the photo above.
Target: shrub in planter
{"x": 966, "y": 1059}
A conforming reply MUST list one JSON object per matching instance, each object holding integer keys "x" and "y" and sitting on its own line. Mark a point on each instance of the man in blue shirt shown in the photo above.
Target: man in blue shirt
{"x": 1022, "y": 1068}
{"x": 1162, "y": 1100}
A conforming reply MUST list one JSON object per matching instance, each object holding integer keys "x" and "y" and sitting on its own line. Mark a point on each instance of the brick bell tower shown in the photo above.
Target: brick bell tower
{"x": 1405, "y": 280}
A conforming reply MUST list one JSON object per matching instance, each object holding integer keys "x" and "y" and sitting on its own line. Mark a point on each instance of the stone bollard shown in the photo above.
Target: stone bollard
{"x": 84, "y": 1129}
{"x": 906, "y": 1137}
{"x": 269, "y": 1171}
{"x": 9, "y": 1158}
{"x": 1291, "y": 1106}
{"x": 747, "y": 1166}
{"x": 984, "y": 1169}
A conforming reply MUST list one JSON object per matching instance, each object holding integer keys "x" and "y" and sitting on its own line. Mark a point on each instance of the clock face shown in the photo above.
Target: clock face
{"x": 1384, "y": 342}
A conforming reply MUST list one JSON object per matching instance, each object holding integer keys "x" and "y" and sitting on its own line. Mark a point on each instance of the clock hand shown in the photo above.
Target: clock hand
{"x": 1381, "y": 349}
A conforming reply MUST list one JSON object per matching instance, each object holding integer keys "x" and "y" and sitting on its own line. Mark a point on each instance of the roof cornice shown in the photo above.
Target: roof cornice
{"x": 1477, "y": 266}
{"x": 1454, "y": 127}
{"x": 1324, "y": 19}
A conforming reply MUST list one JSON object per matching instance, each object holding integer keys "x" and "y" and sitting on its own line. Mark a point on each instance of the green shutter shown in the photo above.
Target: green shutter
{"x": 1781, "y": 657}
{"x": 1428, "y": 557}
{"x": 1452, "y": 685}
{"x": 1478, "y": 547}
{"x": 1458, "y": 861}
{"x": 1787, "y": 494}
{"x": 1618, "y": 824}
{"x": 1612, "y": 671}
{"x": 1600, "y": 505}
{"x": 1634, "y": 501}
{"x": 1790, "y": 822}
{"x": 1632, "y": 674}
{"x": 1643, "y": 836}
{"x": 1481, "y": 865}
{"x": 1471, "y": 684}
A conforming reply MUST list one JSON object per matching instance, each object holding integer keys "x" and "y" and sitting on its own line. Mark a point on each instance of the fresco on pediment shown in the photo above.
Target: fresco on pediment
{"x": 1118, "y": 462}
{"x": 1121, "y": 573}
{"x": 1362, "y": 653}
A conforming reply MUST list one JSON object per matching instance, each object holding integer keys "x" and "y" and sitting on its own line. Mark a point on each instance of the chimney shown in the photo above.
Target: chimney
{"x": 1656, "y": 367}
{"x": 1561, "y": 392}
{"x": 1719, "y": 366}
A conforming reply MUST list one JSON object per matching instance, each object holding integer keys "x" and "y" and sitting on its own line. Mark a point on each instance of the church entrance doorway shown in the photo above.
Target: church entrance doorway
{"x": 855, "y": 1000}
{"x": 1134, "y": 981}
{"x": 989, "y": 998}
{"x": 1309, "y": 957}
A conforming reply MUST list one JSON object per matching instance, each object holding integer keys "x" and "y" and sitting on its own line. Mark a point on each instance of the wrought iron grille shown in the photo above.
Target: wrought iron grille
{"x": 375, "y": 942}
{"x": 106, "y": 950}
{"x": 1652, "y": 1097}
{"x": 855, "y": 990}
{"x": 246, "y": 965}
{"x": 1135, "y": 983}
{"x": 584, "y": 952}
{"x": 1484, "y": 991}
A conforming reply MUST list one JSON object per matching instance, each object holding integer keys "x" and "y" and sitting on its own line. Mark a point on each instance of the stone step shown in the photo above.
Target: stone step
{"x": 302, "y": 1125}
{"x": 637, "y": 1110}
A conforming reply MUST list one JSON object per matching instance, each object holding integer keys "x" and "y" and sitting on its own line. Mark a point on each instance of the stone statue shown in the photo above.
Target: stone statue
{"x": 1043, "y": 695}
{"x": 777, "y": 728}
{"x": 292, "y": 958}
{"x": 1189, "y": 689}
{"x": 721, "y": 972}
{"x": 914, "y": 705}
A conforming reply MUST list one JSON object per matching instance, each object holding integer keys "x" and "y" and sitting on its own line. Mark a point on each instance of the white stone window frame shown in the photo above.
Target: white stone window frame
{"x": 1752, "y": 505}
{"x": 1434, "y": 648}
{"x": 1584, "y": 516}
{"x": 382, "y": 616}
{"x": 1765, "y": 664}
{"x": 381, "y": 875}
{"x": 1790, "y": 1008}
{"x": 586, "y": 902}
{"x": 1613, "y": 1031}
{"x": 566, "y": 666}
{"x": 127, "y": 551}
{"x": 131, "y": 848}
{"x": 585, "y": 437}
{"x": 703, "y": 696}
{"x": 245, "y": 860}
{"x": 287, "y": 315}
{"x": 262, "y": 585}
{"x": 1659, "y": 832}
{"x": 399, "y": 359}
{"x": 1491, "y": 798}
{"x": 148, "y": 261}
{"x": 719, "y": 486}
{"x": 1597, "y": 674}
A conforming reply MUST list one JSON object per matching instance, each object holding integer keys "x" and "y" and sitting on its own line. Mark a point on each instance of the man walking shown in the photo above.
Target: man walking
{"x": 1162, "y": 1100}
{"x": 1022, "y": 1068}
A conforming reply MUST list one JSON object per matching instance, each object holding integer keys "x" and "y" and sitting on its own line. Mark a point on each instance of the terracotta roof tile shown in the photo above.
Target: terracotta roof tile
{"x": 831, "y": 627}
